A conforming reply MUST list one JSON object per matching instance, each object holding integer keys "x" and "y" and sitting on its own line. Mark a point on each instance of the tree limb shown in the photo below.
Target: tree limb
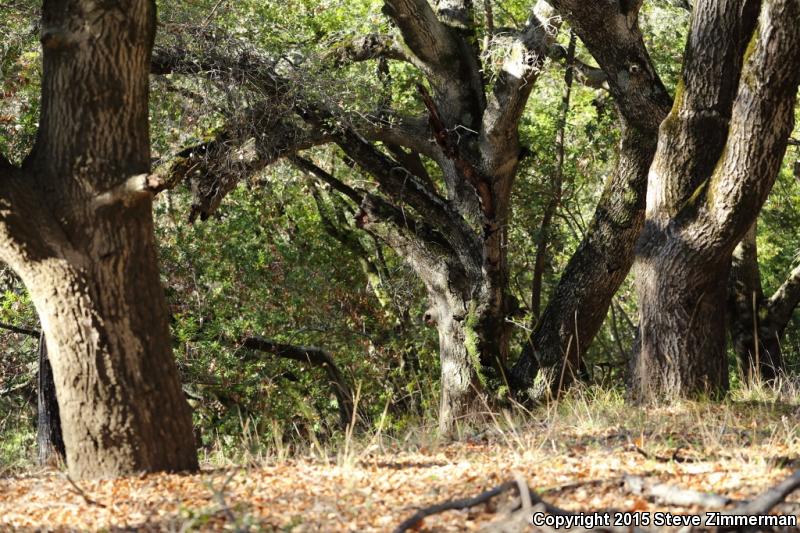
{"x": 21, "y": 330}
{"x": 315, "y": 357}
{"x": 525, "y": 56}
{"x": 783, "y": 302}
{"x": 366, "y": 48}
{"x": 326, "y": 177}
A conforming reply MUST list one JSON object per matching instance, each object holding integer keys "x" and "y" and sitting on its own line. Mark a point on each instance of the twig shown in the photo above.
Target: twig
{"x": 21, "y": 330}
{"x": 83, "y": 494}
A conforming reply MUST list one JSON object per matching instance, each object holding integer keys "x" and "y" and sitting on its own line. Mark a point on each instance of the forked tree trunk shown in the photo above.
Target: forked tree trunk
{"x": 78, "y": 230}
{"x": 719, "y": 153}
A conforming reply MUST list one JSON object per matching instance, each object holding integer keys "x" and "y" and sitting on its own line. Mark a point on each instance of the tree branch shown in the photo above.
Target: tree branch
{"x": 21, "y": 330}
{"x": 366, "y": 48}
{"x": 761, "y": 121}
{"x": 326, "y": 177}
{"x": 315, "y": 357}
{"x": 447, "y": 51}
{"x": 783, "y": 302}
{"x": 424, "y": 34}
{"x": 526, "y": 53}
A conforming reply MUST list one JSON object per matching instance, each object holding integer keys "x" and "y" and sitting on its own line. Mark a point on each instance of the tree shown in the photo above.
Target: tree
{"x": 444, "y": 177}
{"x": 76, "y": 225}
{"x": 757, "y": 323}
{"x": 453, "y": 234}
{"x": 718, "y": 155}
{"x": 579, "y": 304}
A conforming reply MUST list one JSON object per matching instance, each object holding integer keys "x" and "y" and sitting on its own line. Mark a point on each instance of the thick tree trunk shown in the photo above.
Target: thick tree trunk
{"x": 754, "y": 339}
{"x": 79, "y": 232}
{"x": 719, "y": 153}
{"x": 680, "y": 314}
{"x": 48, "y": 426}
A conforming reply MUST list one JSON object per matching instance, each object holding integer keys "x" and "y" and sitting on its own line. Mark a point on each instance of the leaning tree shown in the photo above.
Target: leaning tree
{"x": 443, "y": 177}
{"x": 76, "y": 225}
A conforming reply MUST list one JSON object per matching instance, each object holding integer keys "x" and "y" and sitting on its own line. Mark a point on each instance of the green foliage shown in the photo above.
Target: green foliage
{"x": 269, "y": 264}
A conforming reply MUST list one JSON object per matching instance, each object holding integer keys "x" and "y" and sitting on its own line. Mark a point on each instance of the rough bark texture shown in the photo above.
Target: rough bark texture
{"x": 76, "y": 225}
{"x": 49, "y": 437}
{"x": 719, "y": 153}
{"x": 756, "y": 322}
{"x": 598, "y": 267}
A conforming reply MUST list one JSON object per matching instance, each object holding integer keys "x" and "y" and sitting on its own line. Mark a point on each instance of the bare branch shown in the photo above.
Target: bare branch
{"x": 326, "y": 177}
{"x": 315, "y": 357}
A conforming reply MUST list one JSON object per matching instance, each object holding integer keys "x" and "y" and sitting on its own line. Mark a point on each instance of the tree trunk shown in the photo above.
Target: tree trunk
{"x": 579, "y": 303}
{"x": 719, "y": 153}
{"x": 461, "y": 378}
{"x": 79, "y": 232}
{"x": 680, "y": 314}
{"x": 755, "y": 341}
{"x": 48, "y": 425}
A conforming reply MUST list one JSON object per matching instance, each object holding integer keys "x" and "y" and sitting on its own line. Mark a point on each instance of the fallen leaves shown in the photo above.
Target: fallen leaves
{"x": 576, "y": 470}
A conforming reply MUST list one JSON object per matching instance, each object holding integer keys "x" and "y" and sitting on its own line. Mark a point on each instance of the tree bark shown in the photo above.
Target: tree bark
{"x": 79, "y": 232}
{"x": 719, "y": 153}
{"x": 48, "y": 426}
{"x": 756, "y": 343}
{"x": 579, "y": 304}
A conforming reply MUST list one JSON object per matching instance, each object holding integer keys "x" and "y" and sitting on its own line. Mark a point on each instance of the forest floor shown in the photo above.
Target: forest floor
{"x": 581, "y": 455}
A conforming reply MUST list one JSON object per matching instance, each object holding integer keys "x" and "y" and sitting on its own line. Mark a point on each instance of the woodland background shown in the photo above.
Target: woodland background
{"x": 282, "y": 259}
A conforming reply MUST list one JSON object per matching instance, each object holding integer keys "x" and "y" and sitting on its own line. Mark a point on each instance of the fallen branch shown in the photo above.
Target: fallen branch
{"x": 769, "y": 499}
{"x": 464, "y": 503}
{"x": 672, "y": 495}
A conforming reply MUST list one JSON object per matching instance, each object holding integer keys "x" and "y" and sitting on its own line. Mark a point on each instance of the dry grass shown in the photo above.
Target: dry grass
{"x": 573, "y": 453}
